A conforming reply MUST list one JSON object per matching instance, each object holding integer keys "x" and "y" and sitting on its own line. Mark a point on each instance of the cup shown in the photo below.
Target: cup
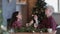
{"x": 49, "y": 30}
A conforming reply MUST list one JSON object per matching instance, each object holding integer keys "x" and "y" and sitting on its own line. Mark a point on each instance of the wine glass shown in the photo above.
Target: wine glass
{"x": 27, "y": 24}
{"x": 35, "y": 25}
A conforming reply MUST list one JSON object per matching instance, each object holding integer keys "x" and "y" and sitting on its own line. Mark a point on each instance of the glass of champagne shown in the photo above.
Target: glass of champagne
{"x": 35, "y": 25}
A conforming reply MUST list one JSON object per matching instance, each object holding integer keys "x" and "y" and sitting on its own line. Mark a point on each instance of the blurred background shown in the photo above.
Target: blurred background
{"x": 25, "y": 7}
{"x": 22, "y": 7}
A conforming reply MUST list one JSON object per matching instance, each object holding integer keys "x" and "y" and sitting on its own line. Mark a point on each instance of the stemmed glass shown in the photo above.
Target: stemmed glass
{"x": 35, "y": 25}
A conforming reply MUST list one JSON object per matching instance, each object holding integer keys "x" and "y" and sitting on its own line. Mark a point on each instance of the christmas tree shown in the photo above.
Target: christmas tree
{"x": 39, "y": 9}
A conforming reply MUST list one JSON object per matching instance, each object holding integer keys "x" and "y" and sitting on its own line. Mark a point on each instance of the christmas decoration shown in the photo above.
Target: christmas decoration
{"x": 39, "y": 9}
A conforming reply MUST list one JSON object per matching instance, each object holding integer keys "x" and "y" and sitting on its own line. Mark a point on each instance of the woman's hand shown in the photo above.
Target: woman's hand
{"x": 36, "y": 19}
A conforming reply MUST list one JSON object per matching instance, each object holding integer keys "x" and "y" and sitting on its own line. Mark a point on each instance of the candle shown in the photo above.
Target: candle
{"x": 33, "y": 31}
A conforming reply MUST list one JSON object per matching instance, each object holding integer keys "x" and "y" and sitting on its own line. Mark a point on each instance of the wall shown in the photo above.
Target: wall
{"x": 57, "y": 18}
{"x": 8, "y": 9}
{"x": 57, "y": 15}
{"x": 24, "y": 13}
{"x": 59, "y": 5}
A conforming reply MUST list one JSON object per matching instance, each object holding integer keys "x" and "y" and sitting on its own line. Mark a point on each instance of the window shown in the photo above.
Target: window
{"x": 53, "y": 3}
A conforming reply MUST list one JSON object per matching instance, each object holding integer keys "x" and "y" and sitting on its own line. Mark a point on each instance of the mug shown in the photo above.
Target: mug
{"x": 49, "y": 30}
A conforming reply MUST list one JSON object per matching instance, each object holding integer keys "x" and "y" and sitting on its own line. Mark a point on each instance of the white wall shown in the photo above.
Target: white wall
{"x": 57, "y": 15}
{"x": 57, "y": 18}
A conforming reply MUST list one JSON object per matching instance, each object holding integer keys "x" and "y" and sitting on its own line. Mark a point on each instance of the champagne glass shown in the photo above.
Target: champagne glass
{"x": 35, "y": 25}
{"x": 27, "y": 24}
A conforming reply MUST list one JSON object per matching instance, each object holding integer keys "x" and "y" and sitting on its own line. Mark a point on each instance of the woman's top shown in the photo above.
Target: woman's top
{"x": 17, "y": 24}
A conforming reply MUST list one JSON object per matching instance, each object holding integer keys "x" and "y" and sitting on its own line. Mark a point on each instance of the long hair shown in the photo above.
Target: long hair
{"x": 13, "y": 19}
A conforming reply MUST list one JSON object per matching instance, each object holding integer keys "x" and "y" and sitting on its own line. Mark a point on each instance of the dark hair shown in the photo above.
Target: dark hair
{"x": 13, "y": 19}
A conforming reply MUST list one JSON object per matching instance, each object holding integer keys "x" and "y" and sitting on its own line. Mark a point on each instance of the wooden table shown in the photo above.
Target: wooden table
{"x": 33, "y": 33}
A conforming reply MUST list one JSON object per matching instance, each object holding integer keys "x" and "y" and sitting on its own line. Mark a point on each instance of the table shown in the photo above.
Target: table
{"x": 34, "y": 33}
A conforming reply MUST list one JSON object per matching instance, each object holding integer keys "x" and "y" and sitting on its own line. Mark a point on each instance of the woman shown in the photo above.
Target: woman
{"x": 15, "y": 21}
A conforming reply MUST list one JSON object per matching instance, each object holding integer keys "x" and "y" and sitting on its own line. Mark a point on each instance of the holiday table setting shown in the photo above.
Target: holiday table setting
{"x": 34, "y": 33}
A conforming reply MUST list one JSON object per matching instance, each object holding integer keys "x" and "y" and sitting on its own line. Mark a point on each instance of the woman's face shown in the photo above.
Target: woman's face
{"x": 48, "y": 12}
{"x": 19, "y": 16}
